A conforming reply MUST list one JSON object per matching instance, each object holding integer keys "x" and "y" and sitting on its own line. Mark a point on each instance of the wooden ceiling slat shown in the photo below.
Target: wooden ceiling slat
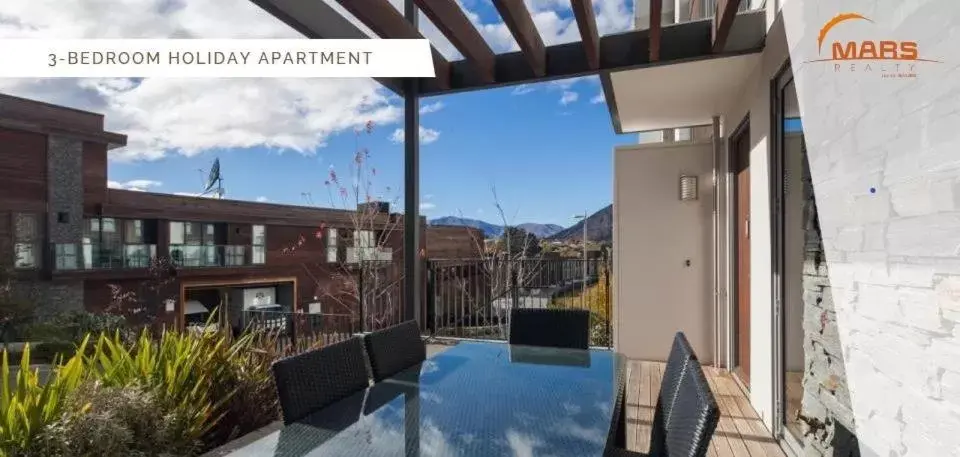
{"x": 456, "y": 26}
{"x": 384, "y": 20}
{"x": 656, "y": 30}
{"x": 517, "y": 18}
{"x": 587, "y": 23}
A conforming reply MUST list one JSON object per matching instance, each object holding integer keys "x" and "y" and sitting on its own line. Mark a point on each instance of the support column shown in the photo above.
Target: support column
{"x": 412, "y": 279}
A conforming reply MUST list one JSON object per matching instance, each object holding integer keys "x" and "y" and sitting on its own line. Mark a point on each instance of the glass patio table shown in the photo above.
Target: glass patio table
{"x": 472, "y": 400}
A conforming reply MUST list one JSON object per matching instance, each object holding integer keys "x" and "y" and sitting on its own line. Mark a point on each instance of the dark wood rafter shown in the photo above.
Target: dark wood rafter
{"x": 517, "y": 18}
{"x": 456, "y": 26}
{"x": 587, "y": 23}
{"x": 656, "y": 11}
{"x": 385, "y": 21}
{"x": 304, "y": 17}
{"x": 723, "y": 22}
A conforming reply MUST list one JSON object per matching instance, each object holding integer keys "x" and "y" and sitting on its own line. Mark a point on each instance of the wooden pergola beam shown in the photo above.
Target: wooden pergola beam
{"x": 723, "y": 22}
{"x": 517, "y": 18}
{"x": 587, "y": 23}
{"x": 384, "y": 20}
{"x": 656, "y": 11}
{"x": 456, "y": 26}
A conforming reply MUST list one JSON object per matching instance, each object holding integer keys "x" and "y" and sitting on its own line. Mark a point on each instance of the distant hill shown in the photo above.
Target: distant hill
{"x": 489, "y": 230}
{"x": 599, "y": 228}
{"x": 541, "y": 230}
{"x": 493, "y": 230}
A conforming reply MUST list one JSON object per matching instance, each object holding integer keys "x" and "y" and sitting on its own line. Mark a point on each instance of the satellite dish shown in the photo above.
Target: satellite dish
{"x": 214, "y": 176}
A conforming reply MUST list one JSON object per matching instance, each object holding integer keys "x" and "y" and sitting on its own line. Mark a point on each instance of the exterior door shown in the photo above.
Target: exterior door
{"x": 741, "y": 157}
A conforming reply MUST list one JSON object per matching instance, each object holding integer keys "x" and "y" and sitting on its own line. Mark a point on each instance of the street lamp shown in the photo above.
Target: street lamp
{"x": 583, "y": 241}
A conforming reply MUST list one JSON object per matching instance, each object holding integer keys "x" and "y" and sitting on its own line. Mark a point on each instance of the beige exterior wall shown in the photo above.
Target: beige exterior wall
{"x": 656, "y": 293}
{"x": 755, "y": 101}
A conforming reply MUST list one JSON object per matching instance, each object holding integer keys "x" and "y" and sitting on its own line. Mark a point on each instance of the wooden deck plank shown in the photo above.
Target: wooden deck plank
{"x": 647, "y": 403}
{"x": 726, "y": 437}
{"x": 740, "y": 433}
{"x": 633, "y": 403}
{"x": 728, "y": 404}
{"x": 759, "y": 431}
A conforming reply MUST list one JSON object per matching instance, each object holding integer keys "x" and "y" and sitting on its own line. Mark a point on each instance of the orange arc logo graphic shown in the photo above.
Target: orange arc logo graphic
{"x": 842, "y": 17}
{"x": 881, "y": 50}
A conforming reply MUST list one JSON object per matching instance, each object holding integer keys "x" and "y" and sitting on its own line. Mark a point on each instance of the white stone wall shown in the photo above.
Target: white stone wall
{"x": 892, "y": 252}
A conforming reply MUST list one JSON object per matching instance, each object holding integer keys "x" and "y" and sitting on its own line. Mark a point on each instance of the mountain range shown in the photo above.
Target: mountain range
{"x": 493, "y": 230}
{"x": 599, "y": 227}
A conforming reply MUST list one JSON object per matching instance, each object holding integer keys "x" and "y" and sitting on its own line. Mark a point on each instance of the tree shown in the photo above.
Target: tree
{"x": 505, "y": 266}
{"x": 15, "y": 310}
{"x": 519, "y": 243}
{"x": 364, "y": 278}
{"x": 141, "y": 307}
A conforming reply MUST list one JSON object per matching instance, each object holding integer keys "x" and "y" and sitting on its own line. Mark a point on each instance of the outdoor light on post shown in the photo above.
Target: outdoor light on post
{"x": 583, "y": 285}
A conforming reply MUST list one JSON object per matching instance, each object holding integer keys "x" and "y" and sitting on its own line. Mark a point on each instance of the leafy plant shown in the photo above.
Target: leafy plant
{"x": 106, "y": 422}
{"x": 30, "y": 405}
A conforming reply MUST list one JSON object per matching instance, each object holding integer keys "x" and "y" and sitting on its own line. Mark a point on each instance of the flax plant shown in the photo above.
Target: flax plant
{"x": 30, "y": 405}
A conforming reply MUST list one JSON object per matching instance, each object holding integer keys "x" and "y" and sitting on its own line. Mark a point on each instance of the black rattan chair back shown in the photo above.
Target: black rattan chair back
{"x": 394, "y": 349}
{"x": 694, "y": 417}
{"x": 559, "y": 328}
{"x": 312, "y": 380}
{"x": 680, "y": 353}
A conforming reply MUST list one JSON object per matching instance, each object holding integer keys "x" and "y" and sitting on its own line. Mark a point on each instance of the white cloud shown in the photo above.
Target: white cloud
{"x": 431, "y": 108}
{"x": 427, "y": 136}
{"x": 196, "y": 194}
{"x": 140, "y": 185}
{"x": 598, "y": 99}
{"x": 427, "y": 206}
{"x": 523, "y": 89}
{"x": 568, "y": 97}
{"x": 262, "y": 199}
{"x": 182, "y": 116}
{"x": 189, "y": 116}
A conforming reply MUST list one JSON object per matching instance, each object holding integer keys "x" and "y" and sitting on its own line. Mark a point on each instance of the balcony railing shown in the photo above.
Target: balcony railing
{"x": 197, "y": 256}
{"x": 369, "y": 254}
{"x": 90, "y": 256}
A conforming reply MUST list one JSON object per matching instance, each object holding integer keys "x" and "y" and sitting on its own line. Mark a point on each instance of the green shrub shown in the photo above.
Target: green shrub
{"x": 107, "y": 422}
{"x": 181, "y": 393}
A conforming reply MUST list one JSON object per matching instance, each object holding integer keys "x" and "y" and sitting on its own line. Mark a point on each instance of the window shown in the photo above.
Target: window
{"x": 259, "y": 245}
{"x": 66, "y": 256}
{"x": 133, "y": 232}
{"x": 332, "y": 245}
{"x": 364, "y": 239}
{"x": 177, "y": 233}
{"x": 235, "y": 255}
{"x": 26, "y": 232}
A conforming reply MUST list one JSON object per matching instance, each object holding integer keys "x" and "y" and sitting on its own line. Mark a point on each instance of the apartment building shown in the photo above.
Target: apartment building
{"x": 71, "y": 243}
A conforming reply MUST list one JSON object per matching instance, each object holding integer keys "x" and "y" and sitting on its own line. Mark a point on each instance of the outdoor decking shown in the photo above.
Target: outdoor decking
{"x": 739, "y": 434}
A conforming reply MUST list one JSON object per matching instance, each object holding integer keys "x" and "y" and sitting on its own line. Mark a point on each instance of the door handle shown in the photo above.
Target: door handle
{"x": 746, "y": 228}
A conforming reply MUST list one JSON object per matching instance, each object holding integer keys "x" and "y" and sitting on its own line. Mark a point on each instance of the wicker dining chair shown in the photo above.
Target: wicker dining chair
{"x": 315, "y": 379}
{"x": 686, "y": 415}
{"x": 559, "y": 328}
{"x": 680, "y": 353}
{"x": 394, "y": 349}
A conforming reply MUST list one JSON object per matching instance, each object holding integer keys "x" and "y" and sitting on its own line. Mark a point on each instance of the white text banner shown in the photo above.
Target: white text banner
{"x": 198, "y": 58}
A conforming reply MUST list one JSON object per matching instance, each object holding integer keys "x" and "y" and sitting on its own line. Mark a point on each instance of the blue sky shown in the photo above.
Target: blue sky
{"x": 547, "y": 160}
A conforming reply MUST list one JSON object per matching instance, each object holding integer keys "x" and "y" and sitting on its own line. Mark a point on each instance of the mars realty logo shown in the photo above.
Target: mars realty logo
{"x": 887, "y": 58}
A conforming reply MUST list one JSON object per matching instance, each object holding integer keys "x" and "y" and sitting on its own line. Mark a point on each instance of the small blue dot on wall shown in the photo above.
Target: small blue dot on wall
{"x": 873, "y": 190}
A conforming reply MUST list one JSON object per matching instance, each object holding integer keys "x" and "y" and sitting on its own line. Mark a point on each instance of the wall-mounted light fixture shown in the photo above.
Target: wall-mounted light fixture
{"x": 688, "y": 188}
